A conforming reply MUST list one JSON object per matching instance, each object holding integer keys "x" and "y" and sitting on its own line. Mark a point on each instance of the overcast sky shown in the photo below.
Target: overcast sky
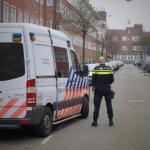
{"x": 120, "y": 11}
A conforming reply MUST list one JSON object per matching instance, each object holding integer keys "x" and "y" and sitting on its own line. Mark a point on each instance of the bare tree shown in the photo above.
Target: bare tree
{"x": 84, "y": 18}
{"x": 111, "y": 45}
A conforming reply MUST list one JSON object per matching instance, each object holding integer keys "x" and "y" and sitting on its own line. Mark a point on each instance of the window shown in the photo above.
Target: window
{"x": 26, "y": 17}
{"x": 42, "y": 2}
{"x": 49, "y": 23}
{"x": 62, "y": 63}
{"x": 124, "y": 57}
{"x": 32, "y": 19}
{"x": 20, "y": 16}
{"x": 136, "y": 38}
{"x": 75, "y": 63}
{"x": 124, "y": 38}
{"x": 49, "y": 2}
{"x": 114, "y": 38}
{"x": 36, "y": 20}
{"x": 136, "y": 48}
{"x": 62, "y": 7}
{"x": 41, "y": 21}
{"x": 11, "y": 61}
{"x": 129, "y": 32}
{"x": 13, "y": 15}
{"x": 6, "y": 13}
{"x": 124, "y": 48}
{"x": 58, "y": 27}
{"x": 63, "y": 10}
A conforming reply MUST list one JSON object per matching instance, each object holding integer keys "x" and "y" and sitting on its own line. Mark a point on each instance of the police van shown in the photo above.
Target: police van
{"x": 41, "y": 82}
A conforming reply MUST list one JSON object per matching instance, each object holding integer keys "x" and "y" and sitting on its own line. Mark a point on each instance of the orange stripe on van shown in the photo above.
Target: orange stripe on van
{"x": 71, "y": 94}
{"x": 1, "y": 100}
{"x": 63, "y": 114}
{"x": 69, "y": 111}
{"x": 74, "y": 109}
{"x": 60, "y": 114}
{"x": 19, "y": 111}
{"x": 6, "y": 108}
{"x": 79, "y": 109}
{"x": 66, "y": 95}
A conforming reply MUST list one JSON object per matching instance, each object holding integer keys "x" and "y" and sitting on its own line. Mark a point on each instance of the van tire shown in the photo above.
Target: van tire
{"x": 45, "y": 127}
{"x": 85, "y": 108}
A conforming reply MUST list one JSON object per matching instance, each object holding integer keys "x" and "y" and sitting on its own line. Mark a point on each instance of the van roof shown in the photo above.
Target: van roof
{"x": 37, "y": 28}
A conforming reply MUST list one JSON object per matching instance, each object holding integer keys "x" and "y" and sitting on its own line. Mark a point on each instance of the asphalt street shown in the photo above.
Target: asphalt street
{"x": 131, "y": 130}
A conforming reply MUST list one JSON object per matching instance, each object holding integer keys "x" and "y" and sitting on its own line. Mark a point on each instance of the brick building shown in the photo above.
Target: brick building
{"x": 128, "y": 42}
{"x": 53, "y": 13}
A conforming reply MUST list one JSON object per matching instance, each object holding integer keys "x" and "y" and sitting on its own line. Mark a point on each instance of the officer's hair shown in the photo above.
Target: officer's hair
{"x": 101, "y": 60}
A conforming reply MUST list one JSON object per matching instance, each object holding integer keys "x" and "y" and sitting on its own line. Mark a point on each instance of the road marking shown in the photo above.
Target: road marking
{"x": 46, "y": 139}
{"x": 135, "y": 101}
{"x": 146, "y": 74}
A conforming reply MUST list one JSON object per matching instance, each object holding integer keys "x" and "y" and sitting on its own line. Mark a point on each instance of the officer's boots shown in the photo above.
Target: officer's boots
{"x": 94, "y": 123}
{"x": 111, "y": 122}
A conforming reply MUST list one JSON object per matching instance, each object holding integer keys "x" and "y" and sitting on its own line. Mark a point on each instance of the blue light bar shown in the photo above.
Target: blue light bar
{"x": 16, "y": 37}
{"x": 32, "y": 36}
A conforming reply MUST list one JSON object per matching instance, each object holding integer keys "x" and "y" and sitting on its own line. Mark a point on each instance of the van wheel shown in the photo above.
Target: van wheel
{"x": 85, "y": 108}
{"x": 45, "y": 127}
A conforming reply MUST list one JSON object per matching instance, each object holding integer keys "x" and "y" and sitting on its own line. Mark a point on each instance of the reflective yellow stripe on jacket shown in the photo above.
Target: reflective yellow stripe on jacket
{"x": 103, "y": 72}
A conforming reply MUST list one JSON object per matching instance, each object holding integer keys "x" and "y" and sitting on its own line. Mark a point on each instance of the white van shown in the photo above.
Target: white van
{"x": 41, "y": 82}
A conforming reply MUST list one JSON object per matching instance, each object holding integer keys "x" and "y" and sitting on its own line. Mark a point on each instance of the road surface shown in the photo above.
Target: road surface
{"x": 131, "y": 130}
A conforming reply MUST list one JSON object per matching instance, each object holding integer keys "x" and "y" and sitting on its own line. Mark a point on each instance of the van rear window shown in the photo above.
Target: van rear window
{"x": 11, "y": 61}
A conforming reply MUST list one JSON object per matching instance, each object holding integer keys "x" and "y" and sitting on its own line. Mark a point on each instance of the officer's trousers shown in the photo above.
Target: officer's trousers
{"x": 98, "y": 95}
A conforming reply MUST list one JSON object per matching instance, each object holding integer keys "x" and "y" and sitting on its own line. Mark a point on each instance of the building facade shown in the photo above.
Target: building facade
{"x": 53, "y": 14}
{"x": 128, "y": 43}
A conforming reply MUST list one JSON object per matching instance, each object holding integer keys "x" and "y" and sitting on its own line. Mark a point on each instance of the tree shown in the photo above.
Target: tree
{"x": 111, "y": 45}
{"x": 84, "y": 18}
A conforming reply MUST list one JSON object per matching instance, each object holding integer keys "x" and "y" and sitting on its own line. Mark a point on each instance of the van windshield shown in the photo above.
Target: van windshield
{"x": 11, "y": 61}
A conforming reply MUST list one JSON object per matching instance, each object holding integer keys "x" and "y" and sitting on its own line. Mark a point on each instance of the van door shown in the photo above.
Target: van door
{"x": 79, "y": 84}
{"x": 45, "y": 73}
{"x": 65, "y": 102}
{"x": 12, "y": 80}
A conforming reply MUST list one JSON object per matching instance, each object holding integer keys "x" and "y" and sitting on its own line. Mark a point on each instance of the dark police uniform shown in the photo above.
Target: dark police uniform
{"x": 102, "y": 78}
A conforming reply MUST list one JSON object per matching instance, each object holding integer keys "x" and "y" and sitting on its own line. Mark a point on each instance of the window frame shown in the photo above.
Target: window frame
{"x": 78, "y": 68}
{"x": 61, "y": 60}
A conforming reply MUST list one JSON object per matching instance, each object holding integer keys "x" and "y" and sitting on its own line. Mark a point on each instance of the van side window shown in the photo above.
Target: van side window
{"x": 11, "y": 61}
{"x": 62, "y": 63}
{"x": 75, "y": 63}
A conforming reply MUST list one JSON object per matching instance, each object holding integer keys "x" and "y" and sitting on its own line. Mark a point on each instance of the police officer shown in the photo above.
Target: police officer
{"x": 102, "y": 79}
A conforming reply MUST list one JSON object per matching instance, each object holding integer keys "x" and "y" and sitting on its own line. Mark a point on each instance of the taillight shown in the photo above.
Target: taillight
{"x": 31, "y": 93}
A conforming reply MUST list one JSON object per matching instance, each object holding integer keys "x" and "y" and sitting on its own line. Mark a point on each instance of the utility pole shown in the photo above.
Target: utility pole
{"x": 2, "y": 8}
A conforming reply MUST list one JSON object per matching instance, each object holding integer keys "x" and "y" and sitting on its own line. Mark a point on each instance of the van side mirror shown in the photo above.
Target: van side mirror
{"x": 85, "y": 70}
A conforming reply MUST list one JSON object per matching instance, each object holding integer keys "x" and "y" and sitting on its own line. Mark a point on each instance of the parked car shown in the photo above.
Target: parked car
{"x": 146, "y": 66}
{"x": 91, "y": 67}
{"x": 139, "y": 63}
